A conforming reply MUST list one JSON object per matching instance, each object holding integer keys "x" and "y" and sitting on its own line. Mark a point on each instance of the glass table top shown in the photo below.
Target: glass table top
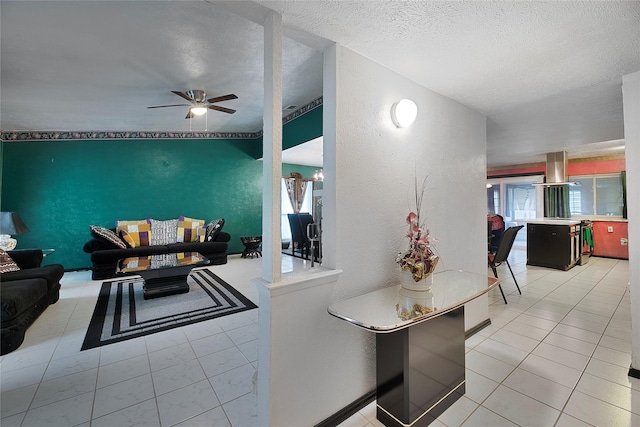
{"x": 155, "y": 262}
{"x": 393, "y": 308}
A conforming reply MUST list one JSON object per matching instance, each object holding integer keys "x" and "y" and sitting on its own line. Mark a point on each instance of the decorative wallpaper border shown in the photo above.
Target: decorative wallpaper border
{"x": 17, "y": 136}
{"x": 58, "y": 135}
{"x": 302, "y": 110}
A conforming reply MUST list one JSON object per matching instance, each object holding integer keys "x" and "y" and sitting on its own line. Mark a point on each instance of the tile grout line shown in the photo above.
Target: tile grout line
{"x": 541, "y": 341}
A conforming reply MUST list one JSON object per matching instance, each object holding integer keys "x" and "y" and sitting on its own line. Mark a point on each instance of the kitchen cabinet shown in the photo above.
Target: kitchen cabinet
{"x": 553, "y": 243}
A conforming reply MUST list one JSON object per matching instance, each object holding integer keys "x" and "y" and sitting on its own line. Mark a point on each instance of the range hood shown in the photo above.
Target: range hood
{"x": 556, "y": 170}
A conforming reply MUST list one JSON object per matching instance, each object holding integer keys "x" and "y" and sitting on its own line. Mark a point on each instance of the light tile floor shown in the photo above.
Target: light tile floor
{"x": 558, "y": 355}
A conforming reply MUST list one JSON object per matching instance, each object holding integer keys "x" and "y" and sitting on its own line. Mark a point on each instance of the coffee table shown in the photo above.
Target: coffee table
{"x": 163, "y": 274}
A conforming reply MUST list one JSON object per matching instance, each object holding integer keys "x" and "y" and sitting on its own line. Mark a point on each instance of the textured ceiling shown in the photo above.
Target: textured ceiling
{"x": 546, "y": 74}
{"x": 98, "y": 65}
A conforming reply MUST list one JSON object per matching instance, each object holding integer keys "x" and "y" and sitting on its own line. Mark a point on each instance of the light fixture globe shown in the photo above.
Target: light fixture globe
{"x": 198, "y": 110}
{"x": 404, "y": 113}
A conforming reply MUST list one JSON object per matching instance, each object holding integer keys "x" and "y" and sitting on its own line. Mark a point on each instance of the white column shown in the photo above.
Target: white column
{"x": 272, "y": 149}
{"x": 631, "y": 107}
{"x": 271, "y": 237}
{"x": 329, "y": 117}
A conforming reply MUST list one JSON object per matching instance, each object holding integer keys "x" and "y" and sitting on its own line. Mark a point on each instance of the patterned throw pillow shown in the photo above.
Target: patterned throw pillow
{"x": 6, "y": 263}
{"x": 213, "y": 228}
{"x": 135, "y": 233}
{"x": 163, "y": 232}
{"x": 188, "y": 230}
{"x": 104, "y": 234}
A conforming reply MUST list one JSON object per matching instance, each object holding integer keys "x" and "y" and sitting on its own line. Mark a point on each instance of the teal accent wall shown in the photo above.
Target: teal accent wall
{"x": 302, "y": 129}
{"x": 59, "y": 188}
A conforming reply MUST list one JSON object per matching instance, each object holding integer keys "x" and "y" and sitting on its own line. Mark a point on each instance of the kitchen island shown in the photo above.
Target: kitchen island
{"x": 553, "y": 242}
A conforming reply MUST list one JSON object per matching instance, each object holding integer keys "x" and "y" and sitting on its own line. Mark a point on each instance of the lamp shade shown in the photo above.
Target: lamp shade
{"x": 199, "y": 110}
{"x": 11, "y": 223}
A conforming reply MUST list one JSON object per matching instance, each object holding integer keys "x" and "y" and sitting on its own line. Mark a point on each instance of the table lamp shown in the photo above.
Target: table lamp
{"x": 10, "y": 223}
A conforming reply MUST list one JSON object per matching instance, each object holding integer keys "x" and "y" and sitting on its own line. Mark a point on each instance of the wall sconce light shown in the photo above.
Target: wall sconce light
{"x": 404, "y": 113}
{"x": 318, "y": 175}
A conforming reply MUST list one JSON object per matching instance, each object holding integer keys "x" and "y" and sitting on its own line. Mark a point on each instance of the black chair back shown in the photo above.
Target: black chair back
{"x": 298, "y": 223}
{"x": 506, "y": 242}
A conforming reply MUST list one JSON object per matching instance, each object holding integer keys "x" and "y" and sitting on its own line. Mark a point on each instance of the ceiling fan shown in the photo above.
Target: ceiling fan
{"x": 198, "y": 104}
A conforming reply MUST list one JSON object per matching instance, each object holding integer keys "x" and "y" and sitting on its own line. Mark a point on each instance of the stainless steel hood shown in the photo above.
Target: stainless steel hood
{"x": 556, "y": 170}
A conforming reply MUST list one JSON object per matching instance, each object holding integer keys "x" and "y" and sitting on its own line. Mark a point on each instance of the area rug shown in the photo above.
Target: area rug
{"x": 122, "y": 313}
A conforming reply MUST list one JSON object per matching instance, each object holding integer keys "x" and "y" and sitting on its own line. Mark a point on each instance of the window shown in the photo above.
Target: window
{"x": 493, "y": 199}
{"x": 516, "y": 200}
{"x": 286, "y": 208}
{"x": 597, "y": 195}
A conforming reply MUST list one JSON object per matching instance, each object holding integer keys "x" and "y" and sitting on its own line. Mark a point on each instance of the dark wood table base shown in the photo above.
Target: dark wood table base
{"x": 420, "y": 370}
{"x": 164, "y": 282}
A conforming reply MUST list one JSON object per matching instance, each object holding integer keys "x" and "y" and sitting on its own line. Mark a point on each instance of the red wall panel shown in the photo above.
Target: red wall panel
{"x": 586, "y": 167}
{"x": 607, "y": 244}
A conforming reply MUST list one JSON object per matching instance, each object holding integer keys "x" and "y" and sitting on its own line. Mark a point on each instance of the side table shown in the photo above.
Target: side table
{"x": 251, "y": 246}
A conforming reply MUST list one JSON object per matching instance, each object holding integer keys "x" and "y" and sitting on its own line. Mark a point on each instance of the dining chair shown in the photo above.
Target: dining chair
{"x": 299, "y": 238}
{"x": 502, "y": 253}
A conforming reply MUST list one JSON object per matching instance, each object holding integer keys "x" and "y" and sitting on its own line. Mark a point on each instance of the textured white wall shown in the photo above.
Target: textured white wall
{"x": 376, "y": 167}
{"x": 320, "y": 364}
{"x": 631, "y": 105}
{"x": 367, "y": 196}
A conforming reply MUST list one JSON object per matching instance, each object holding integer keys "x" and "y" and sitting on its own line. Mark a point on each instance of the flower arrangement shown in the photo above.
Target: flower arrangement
{"x": 419, "y": 258}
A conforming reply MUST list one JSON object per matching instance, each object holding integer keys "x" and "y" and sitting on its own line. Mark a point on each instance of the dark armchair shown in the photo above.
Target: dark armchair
{"x": 25, "y": 294}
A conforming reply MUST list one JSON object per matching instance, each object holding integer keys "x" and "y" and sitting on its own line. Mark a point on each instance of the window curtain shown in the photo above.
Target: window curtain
{"x": 296, "y": 188}
{"x": 556, "y": 201}
{"x": 623, "y": 177}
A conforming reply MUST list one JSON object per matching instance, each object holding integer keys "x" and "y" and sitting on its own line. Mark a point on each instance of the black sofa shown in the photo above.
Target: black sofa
{"x": 25, "y": 294}
{"x": 104, "y": 258}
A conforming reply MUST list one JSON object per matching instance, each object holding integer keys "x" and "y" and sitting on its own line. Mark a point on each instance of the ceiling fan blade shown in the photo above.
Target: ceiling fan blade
{"x": 189, "y": 114}
{"x": 224, "y": 110}
{"x": 183, "y": 95}
{"x": 172, "y": 105}
{"x": 222, "y": 98}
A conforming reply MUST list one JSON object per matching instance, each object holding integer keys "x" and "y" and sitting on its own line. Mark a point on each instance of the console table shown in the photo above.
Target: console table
{"x": 420, "y": 361}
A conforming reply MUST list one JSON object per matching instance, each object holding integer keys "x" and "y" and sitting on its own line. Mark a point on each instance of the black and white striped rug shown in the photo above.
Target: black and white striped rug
{"x": 122, "y": 313}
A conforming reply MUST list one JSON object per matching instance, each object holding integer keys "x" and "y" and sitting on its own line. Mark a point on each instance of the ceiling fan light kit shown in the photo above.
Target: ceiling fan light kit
{"x": 199, "y": 110}
{"x": 199, "y": 104}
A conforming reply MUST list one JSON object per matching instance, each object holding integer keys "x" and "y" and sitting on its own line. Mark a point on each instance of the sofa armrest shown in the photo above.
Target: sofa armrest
{"x": 27, "y": 258}
{"x": 221, "y": 236}
{"x": 51, "y": 273}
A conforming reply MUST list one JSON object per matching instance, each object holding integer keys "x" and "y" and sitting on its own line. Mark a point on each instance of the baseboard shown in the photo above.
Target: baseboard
{"x": 340, "y": 416}
{"x": 480, "y": 326}
{"x": 337, "y": 418}
{"x": 634, "y": 373}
